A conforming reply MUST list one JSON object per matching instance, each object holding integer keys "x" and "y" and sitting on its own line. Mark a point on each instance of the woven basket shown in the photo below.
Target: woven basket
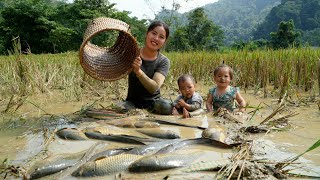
{"x": 108, "y": 63}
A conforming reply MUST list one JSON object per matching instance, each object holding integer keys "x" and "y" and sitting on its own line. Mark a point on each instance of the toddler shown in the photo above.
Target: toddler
{"x": 188, "y": 102}
{"x": 224, "y": 95}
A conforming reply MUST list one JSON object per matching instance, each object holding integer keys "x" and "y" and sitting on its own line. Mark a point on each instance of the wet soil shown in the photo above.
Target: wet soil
{"x": 21, "y": 144}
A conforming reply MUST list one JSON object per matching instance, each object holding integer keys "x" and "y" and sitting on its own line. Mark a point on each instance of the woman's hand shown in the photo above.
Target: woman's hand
{"x": 136, "y": 66}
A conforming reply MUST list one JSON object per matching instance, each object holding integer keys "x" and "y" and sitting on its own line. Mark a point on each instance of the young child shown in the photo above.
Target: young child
{"x": 224, "y": 95}
{"x": 188, "y": 102}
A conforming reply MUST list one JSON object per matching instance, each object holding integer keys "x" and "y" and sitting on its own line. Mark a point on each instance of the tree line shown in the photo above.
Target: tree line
{"x": 55, "y": 26}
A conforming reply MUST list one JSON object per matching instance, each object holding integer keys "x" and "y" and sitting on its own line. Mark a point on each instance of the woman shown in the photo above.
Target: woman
{"x": 149, "y": 72}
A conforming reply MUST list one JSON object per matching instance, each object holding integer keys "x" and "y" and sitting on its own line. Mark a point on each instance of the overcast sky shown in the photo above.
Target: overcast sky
{"x": 147, "y": 8}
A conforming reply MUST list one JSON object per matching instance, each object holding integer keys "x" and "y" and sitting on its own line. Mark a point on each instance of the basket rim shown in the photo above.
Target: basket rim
{"x": 88, "y": 38}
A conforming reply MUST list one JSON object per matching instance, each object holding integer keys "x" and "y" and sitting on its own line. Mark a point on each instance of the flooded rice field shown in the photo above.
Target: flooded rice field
{"x": 98, "y": 143}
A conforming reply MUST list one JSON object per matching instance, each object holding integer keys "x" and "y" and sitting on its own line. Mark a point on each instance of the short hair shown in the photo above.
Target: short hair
{"x": 186, "y": 77}
{"x": 217, "y": 69}
{"x": 155, "y": 24}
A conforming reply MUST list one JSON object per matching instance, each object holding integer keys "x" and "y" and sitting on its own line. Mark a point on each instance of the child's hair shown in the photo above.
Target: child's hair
{"x": 185, "y": 77}
{"x": 216, "y": 70}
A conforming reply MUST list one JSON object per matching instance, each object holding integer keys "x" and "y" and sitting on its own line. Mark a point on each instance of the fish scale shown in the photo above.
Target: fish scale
{"x": 163, "y": 161}
{"x": 108, "y": 165}
{"x": 206, "y": 166}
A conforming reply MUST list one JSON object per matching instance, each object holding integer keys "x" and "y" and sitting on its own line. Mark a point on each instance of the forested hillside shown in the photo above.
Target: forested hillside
{"x": 306, "y": 17}
{"x": 238, "y": 18}
{"x": 54, "y": 26}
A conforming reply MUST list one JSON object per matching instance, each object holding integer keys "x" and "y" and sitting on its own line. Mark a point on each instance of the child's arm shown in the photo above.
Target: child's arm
{"x": 242, "y": 103}
{"x": 182, "y": 103}
{"x": 193, "y": 104}
{"x": 209, "y": 102}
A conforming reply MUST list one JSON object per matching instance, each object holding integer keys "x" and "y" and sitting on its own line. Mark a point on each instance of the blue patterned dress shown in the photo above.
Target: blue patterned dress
{"x": 226, "y": 100}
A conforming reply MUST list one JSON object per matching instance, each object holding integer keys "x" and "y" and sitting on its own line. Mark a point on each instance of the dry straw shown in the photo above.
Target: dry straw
{"x": 108, "y": 63}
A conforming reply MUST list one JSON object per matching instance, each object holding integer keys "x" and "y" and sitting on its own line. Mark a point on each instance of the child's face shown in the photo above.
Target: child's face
{"x": 222, "y": 78}
{"x": 187, "y": 88}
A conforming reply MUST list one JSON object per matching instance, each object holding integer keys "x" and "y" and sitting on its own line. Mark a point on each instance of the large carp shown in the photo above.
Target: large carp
{"x": 110, "y": 152}
{"x": 215, "y": 133}
{"x": 188, "y": 142}
{"x": 132, "y": 122}
{"x": 104, "y": 114}
{"x": 162, "y": 162}
{"x": 160, "y": 133}
{"x": 71, "y": 134}
{"x": 152, "y": 148}
{"x": 106, "y": 166}
{"x": 120, "y": 138}
{"x": 54, "y": 164}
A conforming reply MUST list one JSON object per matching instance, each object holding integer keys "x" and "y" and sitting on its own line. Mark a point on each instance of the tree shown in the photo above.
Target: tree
{"x": 199, "y": 34}
{"x": 30, "y": 22}
{"x": 53, "y": 26}
{"x": 179, "y": 41}
{"x": 285, "y": 36}
{"x": 203, "y": 33}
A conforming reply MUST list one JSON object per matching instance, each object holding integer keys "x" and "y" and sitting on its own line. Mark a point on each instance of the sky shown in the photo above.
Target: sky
{"x": 145, "y": 9}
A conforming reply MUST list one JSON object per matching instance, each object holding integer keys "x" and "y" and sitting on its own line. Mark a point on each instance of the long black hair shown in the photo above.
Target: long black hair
{"x": 155, "y": 24}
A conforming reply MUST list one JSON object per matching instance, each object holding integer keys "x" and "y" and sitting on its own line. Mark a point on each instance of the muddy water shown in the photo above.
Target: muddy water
{"x": 20, "y": 145}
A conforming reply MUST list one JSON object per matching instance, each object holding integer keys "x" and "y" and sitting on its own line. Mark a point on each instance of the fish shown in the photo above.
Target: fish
{"x": 179, "y": 145}
{"x": 193, "y": 122}
{"x": 215, "y": 133}
{"x": 153, "y": 147}
{"x": 162, "y": 162}
{"x": 108, "y": 129}
{"x": 207, "y": 166}
{"x": 119, "y": 138}
{"x": 54, "y": 164}
{"x": 92, "y": 150}
{"x": 110, "y": 152}
{"x": 187, "y": 142}
{"x": 160, "y": 133}
{"x": 104, "y": 114}
{"x": 106, "y": 166}
{"x": 132, "y": 122}
{"x": 71, "y": 134}
{"x": 146, "y": 124}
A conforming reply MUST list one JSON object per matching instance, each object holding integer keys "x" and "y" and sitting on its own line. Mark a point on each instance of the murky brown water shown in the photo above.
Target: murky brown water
{"x": 19, "y": 145}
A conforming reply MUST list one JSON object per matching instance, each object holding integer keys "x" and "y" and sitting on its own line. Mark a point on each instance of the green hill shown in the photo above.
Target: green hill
{"x": 306, "y": 17}
{"x": 238, "y": 18}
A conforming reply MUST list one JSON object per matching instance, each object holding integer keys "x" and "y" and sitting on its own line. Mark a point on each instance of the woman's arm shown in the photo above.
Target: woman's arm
{"x": 209, "y": 102}
{"x": 152, "y": 85}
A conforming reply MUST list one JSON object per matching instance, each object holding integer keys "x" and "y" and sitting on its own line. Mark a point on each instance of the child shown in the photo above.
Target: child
{"x": 223, "y": 95}
{"x": 188, "y": 102}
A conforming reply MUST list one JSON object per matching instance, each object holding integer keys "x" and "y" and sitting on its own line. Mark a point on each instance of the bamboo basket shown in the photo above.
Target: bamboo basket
{"x": 108, "y": 63}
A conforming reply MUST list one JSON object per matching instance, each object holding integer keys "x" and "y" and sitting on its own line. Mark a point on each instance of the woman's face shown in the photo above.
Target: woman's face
{"x": 156, "y": 38}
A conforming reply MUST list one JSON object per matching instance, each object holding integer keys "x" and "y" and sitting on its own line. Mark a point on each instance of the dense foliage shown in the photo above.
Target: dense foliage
{"x": 52, "y": 26}
{"x": 304, "y": 13}
{"x": 236, "y": 18}
{"x": 199, "y": 34}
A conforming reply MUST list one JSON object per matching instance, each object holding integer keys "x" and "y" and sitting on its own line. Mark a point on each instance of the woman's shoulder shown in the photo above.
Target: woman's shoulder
{"x": 162, "y": 58}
